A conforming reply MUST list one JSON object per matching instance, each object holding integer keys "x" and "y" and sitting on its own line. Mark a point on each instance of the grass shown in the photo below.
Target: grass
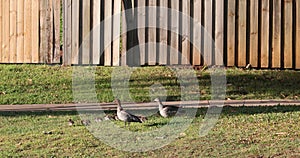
{"x": 38, "y": 84}
{"x": 240, "y": 132}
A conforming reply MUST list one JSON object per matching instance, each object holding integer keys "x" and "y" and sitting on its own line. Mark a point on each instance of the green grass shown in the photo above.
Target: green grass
{"x": 240, "y": 132}
{"x": 38, "y": 84}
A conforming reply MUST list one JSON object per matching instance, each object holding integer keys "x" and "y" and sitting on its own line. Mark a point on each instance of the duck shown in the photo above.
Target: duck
{"x": 166, "y": 110}
{"x": 125, "y": 116}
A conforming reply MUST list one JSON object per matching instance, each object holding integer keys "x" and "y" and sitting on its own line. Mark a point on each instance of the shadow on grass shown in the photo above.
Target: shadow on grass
{"x": 227, "y": 110}
{"x": 251, "y": 110}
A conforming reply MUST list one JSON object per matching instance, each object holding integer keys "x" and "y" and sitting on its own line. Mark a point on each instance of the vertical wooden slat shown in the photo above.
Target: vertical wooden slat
{"x": 209, "y": 32}
{"x": 50, "y": 27}
{"x": 242, "y": 19}
{"x": 152, "y": 33}
{"x": 35, "y": 31}
{"x": 107, "y": 33}
{"x": 86, "y": 24}
{"x": 74, "y": 54}
{"x": 163, "y": 39}
{"x": 124, "y": 37}
{"x": 276, "y": 50}
{"x": 43, "y": 30}
{"x": 297, "y": 34}
{"x": 231, "y": 31}
{"x": 288, "y": 34}
{"x": 253, "y": 33}
{"x": 141, "y": 19}
{"x": 13, "y": 31}
{"x": 174, "y": 34}
{"x": 70, "y": 50}
{"x": 27, "y": 32}
{"x": 5, "y": 37}
{"x": 265, "y": 34}
{"x": 96, "y": 31}
{"x": 1, "y": 26}
{"x": 197, "y": 32}
{"x": 57, "y": 13}
{"x": 219, "y": 34}
{"x": 116, "y": 33}
{"x": 20, "y": 31}
{"x": 186, "y": 32}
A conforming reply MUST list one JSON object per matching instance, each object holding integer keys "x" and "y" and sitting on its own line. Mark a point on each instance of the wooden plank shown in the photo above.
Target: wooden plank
{"x": 242, "y": 42}
{"x": 197, "y": 33}
{"x": 86, "y": 25}
{"x": 43, "y": 30}
{"x": 68, "y": 48}
{"x": 276, "y": 50}
{"x": 123, "y": 38}
{"x": 231, "y": 33}
{"x": 116, "y": 33}
{"x": 74, "y": 54}
{"x": 219, "y": 33}
{"x": 1, "y": 18}
{"x": 107, "y": 33}
{"x": 35, "y": 31}
{"x": 13, "y": 31}
{"x": 50, "y": 27}
{"x": 141, "y": 21}
{"x": 253, "y": 33}
{"x": 20, "y": 31}
{"x": 288, "y": 34}
{"x": 297, "y": 34}
{"x": 57, "y": 13}
{"x": 174, "y": 58}
{"x": 186, "y": 32}
{"x": 152, "y": 33}
{"x": 265, "y": 34}
{"x": 208, "y": 41}
{"x": 5, "y": 36}
{"x": 163, "y": 39}
{"x": 96, "y": 31}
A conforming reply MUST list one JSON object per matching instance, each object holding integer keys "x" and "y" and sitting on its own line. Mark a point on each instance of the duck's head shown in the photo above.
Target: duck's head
{"x": 156, "y": 100}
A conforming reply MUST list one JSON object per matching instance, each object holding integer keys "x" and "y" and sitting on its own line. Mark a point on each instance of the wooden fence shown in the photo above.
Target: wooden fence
{"x": 263, "y": 33}
{"x": 30, "y": 31}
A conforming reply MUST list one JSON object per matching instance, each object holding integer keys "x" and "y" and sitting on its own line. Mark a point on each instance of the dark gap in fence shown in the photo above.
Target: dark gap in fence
{"x": 213, "y": 53}
{"x": 169, "y": 34}
{"x": 102, "y": 33}
{"x": 294, "y": 34}
{"x": 225, "y": 57}
{"x": 259, "y": 33}
{"x": 92, "y": 35}
{"x": 147, "y": 33}
{"x": 282, "y": 35}
{"x": 271, "y": 34}
{"x": 202, "y": 32}
{"x": 180, "y": 34}
{"x": 80, "y": 32}
{"x": 236, "y": 53}
{"x": 158, "y": 30}
{"x": 248, "y": 26}
{"x": 192, "y": 33}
